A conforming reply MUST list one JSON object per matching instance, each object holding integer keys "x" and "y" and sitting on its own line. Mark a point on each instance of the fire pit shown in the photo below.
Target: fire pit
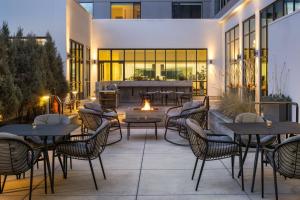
{"x": 145, "y": 112}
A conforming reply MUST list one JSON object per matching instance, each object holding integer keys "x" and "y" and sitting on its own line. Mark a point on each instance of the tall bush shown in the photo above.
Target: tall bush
{"x": 10, "y": 93}
{"x": 28, "y": 70}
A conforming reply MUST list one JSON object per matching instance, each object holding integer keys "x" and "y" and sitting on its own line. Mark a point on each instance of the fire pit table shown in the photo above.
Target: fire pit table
{"x": 141, "y": 120}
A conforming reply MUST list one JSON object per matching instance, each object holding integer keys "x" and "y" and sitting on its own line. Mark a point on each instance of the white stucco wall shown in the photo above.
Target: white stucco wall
{"x": 236, "y": 16}
{"x": 78, "y": 28}
{"x": 163, "y": 33}
{"x": 38, "y": 17}
{"x": 284, "y": 56}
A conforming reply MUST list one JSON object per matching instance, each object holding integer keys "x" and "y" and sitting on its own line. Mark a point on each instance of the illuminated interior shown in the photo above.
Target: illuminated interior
{"x": 76, "y": 68}
{"x": 125, "y": 10}
{"x": 154, "y": 64}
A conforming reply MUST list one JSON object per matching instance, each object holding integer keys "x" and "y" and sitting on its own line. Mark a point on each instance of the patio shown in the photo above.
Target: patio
{"x": 147, "y": 169}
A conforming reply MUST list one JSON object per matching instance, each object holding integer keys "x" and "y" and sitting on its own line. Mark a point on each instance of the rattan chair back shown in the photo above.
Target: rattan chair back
{"x": 90, "y": 119}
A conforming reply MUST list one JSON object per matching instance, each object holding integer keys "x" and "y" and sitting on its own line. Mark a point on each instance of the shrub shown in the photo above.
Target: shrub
{"x": 232, "y": 104}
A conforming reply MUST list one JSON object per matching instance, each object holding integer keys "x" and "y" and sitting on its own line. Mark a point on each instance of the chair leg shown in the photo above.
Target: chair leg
{"x": 232, "y": 166}
{"x": 45, "y": 174}
{"x": 199, "y": 177}
{"x": 255, "y": 168}
{"x": 3, "y": 184}
{"x": 65, "y": 166}
{"x": 244, "y": 159}
{"x": 195, "y": 167}
{"x": 60, "y": 162}
{"x": 275, "y": 183}
{"x": 102, "y": 167}
{"x": 262, "y": 173}
{"x": 31, "y": 180}
{"x": 71, "y": 163}
{"x": 92, "y": 170}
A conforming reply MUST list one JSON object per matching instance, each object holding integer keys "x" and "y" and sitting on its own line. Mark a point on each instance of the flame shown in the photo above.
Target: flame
{"x": 147, "y": 105}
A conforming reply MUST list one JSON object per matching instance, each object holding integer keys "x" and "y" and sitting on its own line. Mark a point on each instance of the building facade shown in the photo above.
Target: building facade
{"x": 230, "y": 44}
{"x": 149, "y": 9}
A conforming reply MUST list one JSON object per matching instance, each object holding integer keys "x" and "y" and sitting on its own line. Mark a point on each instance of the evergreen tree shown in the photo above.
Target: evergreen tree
{"x": 56, "y": 81}
{"x": 9, "y": 98}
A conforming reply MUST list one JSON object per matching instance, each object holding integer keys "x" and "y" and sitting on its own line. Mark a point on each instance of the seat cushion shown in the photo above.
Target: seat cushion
{"x": 180, "y": 121}
{"x": 52, "y": 119}
{"x": 93, "y": 106}
{"x": 191, "y": 104}
{"x": 224, "y": 138}
{"x": 110, "y": 114}
{"x": 174, "y": 113}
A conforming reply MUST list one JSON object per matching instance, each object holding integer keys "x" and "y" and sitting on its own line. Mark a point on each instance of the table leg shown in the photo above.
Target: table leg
{"x": 255, "y": 161}
{"x": 53, "y": 162}
{"x": 128, "y": 131}
{"x": 155, "y": 124}
{"x": 241, "y": 161}
{"x": 48, "y": 163}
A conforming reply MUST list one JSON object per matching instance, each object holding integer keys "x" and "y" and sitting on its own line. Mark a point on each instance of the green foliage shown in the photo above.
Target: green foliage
{"x": 10, "y": 93}
{"x": 28, "y": 71}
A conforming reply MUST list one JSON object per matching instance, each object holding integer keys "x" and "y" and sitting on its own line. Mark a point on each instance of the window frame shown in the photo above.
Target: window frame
{"x": 201, "y": 82}
{"x": 124, "y": 3}
{"x": 188, "y": 2}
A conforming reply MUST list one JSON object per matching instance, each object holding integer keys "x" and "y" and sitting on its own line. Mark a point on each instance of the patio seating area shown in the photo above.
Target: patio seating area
{"x": 149, "y": 167}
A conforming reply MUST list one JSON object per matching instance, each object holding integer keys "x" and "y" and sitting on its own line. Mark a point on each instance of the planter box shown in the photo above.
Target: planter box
{"x": 277, "y": 112}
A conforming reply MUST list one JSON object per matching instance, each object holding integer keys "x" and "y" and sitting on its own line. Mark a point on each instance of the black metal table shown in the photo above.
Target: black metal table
{"x": 44, "y": 131}
{"x": 257, "y": 129}
{"x": 141, "y": 120}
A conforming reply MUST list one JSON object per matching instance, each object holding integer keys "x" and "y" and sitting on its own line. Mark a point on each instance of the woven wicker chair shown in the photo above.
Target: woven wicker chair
{"x": 198, "y": 114}
{"x": 110, "y": 115}
{"x": 87, "y": 146}
{"x": 207, "y": 147}
{"x": 175, "y": 117}
{"x": 16, "y": 157}
{"x": 251, "y": 142}
{"x": 284, "y": 159}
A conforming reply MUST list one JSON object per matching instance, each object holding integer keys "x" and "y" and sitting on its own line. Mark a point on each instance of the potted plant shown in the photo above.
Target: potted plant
{"x": 278, "y": 107}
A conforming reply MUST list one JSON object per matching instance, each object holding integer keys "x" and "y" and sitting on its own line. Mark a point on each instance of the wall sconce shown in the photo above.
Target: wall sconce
{"x": 257, "y": 53}
{"x": 94, "y": 61}
{"x": 210, "y": 61}
{"x": 69, "y": 56}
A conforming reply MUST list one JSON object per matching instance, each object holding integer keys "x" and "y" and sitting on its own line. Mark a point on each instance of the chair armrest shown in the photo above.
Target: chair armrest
{"x": 268, "y": 149}
{"x": 223, "y": 142}
{"x": 215, "y": 134}
{"x": 110, "y": 110}
{"x": 77, "y": 138}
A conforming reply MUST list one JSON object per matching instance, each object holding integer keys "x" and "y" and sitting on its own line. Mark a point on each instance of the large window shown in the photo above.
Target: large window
{"x": 187, "y": 10}
{"x": 154, "y": 64}
{"x": 125, "y": 10}
{"x": 88, "y": 6}
{"x": 267, "y": 15}
{"x": 249, "y": 53}
{"x": 232, "y": 71}
{"x": 88, "y": 72}
{"x": 76, "y": 67}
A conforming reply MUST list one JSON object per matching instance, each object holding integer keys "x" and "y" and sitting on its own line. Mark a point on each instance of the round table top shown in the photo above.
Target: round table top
{"x": 142, "y": 119}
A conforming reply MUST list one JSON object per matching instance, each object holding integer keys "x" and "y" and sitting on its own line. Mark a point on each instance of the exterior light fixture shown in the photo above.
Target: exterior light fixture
{"x": 69, "y": 56}
{"x": 93, "y": 98}
{"x": 94, "y": 61}
{"x": 257, "y": 53}
{"x": 210, "y": 61}
{"x": 46, "y": 97}
{"x": 239, "y": 57}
